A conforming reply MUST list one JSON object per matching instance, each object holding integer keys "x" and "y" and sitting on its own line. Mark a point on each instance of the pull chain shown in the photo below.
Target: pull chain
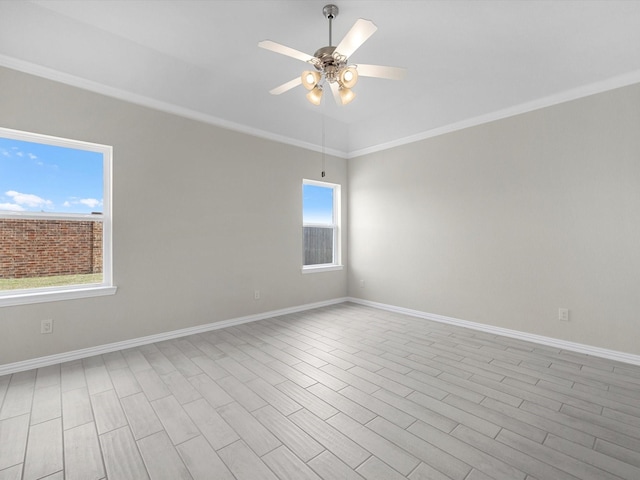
{"x": 323, "y": 155}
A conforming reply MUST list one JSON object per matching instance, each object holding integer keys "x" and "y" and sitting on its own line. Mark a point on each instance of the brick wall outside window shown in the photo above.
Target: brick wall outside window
{"x": 41, "y": 248}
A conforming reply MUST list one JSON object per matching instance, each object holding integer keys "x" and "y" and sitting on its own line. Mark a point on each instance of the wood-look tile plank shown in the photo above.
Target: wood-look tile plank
{"x": 180, "y": 387}
{"x": 44, "y": 450}
{"x": 375, "y": 469}
{"x": 13, "y": 440}
{"x": 98, "y": 379}
{"x": 291, "y": 373}
{"x": 217, "y": 432}
{"x": 350, "y": 379}
{"x": 19, "y": 395}
{"x": 76, "y": 408}
{"x": 47, "y": 404}
{"x": 250, "y": 430}
{"x": 175, "y": 420}
{"x": 210, "y": 390}
{"x": 288, "y": 466}
{"x": 121, "y": 456}
{"x": 439, "y": 459}
{"x": 308, "y": 400}
{"x": 135, "y": 359}
{"x": 615, "y": 451}
{"x": 479, "y": 460}
{"x": 332, "y": 439}
{"x": 107, "y": 411}
{"x": 296, "y": 439}
{"x": 12, "y": 473}
{"x": 282, "y": 402}
{"x": 202, "y": 462}
{"x": 244, "y": 463}
{"x": 426, "y": 472}
{"x": 551, "y": 457}
{"x": 545, "y": 419}
{"x": 82, "y": 456}
{"x": 161, "y": 458}
{"x": 595, "y": 458}
{"x": 141, "y": 416}
{"x": 371, "y": 403}
{"x": 263, "y": 371}
{"x": 48, "y": 376}
{"x": 244, "y": 395}
{"x": 381, "y": 381}
{"x": 379, "y": 446}
{"x": 328, "y": 465}
{"x": 114, "y": 360}
{"x": 151, "y": 384}
{"x": 413, "y": 409}
{"x": 72, "y": 375}
{"x": 124, "y": 381}
{"x": 342, "y": 403}
{"x": 456, "y": 414}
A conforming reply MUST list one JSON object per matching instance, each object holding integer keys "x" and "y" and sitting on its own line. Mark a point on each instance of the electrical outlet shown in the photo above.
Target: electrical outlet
{"x": 256, "y": 294}
{"x": 46, "y": 326}
{"x": 563, "y": 314}
{"x": 361, "y": 283}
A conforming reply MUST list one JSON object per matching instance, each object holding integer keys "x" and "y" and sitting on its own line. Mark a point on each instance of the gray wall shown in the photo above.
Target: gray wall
{"x": 506, "y": 222}
{"x": 202, "y": 217}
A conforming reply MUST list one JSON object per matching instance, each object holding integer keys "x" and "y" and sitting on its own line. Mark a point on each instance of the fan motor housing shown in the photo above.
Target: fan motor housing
{"x": 329, "y": 62}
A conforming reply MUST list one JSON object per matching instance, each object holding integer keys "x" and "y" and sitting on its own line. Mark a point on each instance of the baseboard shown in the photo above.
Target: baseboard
{"x": 529, "y": 337}
{"x": 10, "y": 368}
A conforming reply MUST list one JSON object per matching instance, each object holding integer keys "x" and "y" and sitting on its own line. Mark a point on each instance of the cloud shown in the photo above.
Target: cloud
{"x": 90, "y": 202}
{"x": 87, "y": 202}
{"x": 12, "y": 207}
{"x": 28, "y": 199}
{"x": 32, "y": 156}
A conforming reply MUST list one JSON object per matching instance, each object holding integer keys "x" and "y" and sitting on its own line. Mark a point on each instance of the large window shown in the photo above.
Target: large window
{"x": 321, "y": 225}
{"x": 55, "y": 218}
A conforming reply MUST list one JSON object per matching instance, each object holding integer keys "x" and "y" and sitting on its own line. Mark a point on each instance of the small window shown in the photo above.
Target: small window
{"x": 321, "y": 225}
{"x": 55, "y": 218}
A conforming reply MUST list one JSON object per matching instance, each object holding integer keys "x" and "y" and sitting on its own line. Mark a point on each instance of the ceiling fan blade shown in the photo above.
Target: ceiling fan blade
{"x": 284, "y": 50}
{"x": 380, "y": 71}
{"x": 286, "y": 86}
{"x": 335, "y": 89}
{"x": 355, "y": 37}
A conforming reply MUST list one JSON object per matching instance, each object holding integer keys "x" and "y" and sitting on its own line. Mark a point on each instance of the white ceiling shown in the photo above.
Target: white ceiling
{"x": 468, "y": 61}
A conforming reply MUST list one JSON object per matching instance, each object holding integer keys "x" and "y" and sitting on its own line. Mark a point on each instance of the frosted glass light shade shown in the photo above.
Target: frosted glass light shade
{"x": 349, "y": 77}
{"x": 315, "y": 95}
{"x": 346, "y": 95}
{"x": 310, "y": 79}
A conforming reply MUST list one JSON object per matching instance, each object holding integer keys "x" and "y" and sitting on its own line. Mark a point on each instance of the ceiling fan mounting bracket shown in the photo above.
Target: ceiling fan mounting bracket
{"x": 330, "y": 11}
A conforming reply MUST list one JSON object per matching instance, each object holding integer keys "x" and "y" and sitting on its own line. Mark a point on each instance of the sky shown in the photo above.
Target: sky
{"x": 317, "y": 204}
{"x": 36, "y": 177}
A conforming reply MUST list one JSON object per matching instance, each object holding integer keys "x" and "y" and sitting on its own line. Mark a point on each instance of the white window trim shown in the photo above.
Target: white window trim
{"x": 68, "y": 292}
{"x": 337, "y": 226}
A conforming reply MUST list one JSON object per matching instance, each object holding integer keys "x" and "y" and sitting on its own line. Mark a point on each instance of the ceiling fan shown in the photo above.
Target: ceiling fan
{"x": 331, "y": 63}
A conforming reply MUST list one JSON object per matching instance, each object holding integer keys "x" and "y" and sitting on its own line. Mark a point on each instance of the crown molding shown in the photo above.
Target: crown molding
{"x": 548, "y": 101}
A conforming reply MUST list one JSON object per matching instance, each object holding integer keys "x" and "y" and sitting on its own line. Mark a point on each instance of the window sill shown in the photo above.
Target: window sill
{"x": 321, "y": 268}
{"x": 28, "y": 297}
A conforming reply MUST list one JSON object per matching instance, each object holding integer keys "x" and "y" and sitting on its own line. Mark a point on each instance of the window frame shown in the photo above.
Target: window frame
{"x": 68, "y": 292}
{"x": 336, "y": 226}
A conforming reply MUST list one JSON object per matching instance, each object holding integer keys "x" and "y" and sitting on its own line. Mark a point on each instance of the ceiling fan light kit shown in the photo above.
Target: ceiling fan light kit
{"x": 331, "y": 63}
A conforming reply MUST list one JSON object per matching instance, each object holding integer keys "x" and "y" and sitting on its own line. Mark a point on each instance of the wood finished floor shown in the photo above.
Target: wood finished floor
{"x": 339, "y": 392}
